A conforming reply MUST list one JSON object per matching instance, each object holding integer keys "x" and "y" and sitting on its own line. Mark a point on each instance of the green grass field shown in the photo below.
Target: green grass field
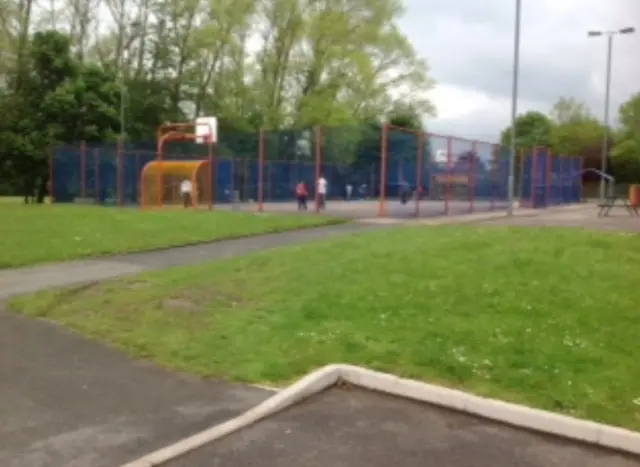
{"x": 548, "y": 318}
{"x": 43, "y": 233}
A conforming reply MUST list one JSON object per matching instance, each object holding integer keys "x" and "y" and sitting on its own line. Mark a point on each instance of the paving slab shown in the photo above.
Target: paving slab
{"x": 585, "y": 218}
{"x": 355, "y": 428}
{"x": 66, "y": 401}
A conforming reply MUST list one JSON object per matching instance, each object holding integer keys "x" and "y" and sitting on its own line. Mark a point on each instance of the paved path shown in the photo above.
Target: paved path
{"x": 34, "y": 278}
{"x": 345, "y": 427}
{"x": 66, "y": 401}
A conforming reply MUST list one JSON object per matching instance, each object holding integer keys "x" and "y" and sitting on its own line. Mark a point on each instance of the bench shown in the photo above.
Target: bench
{"x": 611, "y": 202}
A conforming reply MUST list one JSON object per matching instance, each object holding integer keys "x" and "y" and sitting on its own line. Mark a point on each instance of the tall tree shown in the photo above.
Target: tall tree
{"x": 626, "y": 152}
{"x": 532, "y": 129}
{"x": 576, "y": 131}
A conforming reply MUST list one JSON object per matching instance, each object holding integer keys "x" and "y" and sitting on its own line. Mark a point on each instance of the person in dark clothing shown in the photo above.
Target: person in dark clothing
{"x": 405, "y": 192}
{"x": 301, "y": 196}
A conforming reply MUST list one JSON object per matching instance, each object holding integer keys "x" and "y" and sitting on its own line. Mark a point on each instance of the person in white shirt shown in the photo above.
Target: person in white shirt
{"x": 321, "y": 188}
{"x": 349, "y": 190}
{"x": 186, "y": 188}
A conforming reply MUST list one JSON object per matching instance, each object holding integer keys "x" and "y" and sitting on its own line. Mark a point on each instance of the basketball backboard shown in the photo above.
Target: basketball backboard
{"x": 206, "y": 130}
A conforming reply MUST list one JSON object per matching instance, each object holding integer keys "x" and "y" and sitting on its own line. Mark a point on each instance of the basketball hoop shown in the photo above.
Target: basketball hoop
{"x": 206, "y": 130}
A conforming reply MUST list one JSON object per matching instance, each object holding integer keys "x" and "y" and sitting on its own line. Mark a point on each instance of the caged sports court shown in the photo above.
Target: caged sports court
{"x": 383, "y": 171}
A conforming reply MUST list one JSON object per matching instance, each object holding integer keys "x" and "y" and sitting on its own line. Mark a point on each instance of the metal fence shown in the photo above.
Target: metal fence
{"x": 371, "y": 171}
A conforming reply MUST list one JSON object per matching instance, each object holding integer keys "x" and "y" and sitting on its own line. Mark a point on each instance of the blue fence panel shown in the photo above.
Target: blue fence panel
{"x": 555, "y": 180}
{"x": 66, "y": 174}
{"x": 224, "y": 176}
{"x": 576, "y": 180}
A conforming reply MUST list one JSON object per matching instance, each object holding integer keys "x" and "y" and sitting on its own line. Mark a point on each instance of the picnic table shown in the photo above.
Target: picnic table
{"x": 614, "y": 201}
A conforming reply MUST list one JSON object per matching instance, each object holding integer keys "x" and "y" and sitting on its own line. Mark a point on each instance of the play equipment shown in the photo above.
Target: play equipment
{"x": 160, "y": 179}
{"x": 173, "y": 174}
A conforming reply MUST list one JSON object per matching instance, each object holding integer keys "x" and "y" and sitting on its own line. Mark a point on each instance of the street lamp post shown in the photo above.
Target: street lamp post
{"x": 514, "y": 110}
{"x": 133, "y": 30}
{"x": 607, "y": 101}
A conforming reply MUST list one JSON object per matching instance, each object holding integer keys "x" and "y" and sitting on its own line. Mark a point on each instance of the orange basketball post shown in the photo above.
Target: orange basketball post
{"x": 260, "y": 170}
{"x": 183, "y": 131}
{"x": 211, "y": 174}
{"x": 382, "y": 207}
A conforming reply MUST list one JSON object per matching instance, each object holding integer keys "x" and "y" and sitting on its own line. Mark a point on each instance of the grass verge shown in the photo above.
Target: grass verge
{"x": 43, "y": 233}
{"x": 541, "y": 317}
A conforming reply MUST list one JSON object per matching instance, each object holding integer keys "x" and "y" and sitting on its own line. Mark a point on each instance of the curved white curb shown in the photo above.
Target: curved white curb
{"x": 315, "y": 382}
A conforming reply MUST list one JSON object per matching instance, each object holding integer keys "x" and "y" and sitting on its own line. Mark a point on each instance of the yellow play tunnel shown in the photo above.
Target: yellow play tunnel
{"x": 160, "y": 183}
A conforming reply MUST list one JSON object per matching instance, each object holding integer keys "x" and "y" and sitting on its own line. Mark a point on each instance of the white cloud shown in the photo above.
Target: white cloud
{"x": 469, "y": 46}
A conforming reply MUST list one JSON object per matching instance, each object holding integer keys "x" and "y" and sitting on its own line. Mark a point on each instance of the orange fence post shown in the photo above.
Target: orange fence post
{"x": 382, "y": 207}
{"x": 212, "y": 173}
{"x": 419, "y": 172}
{"x": 83, "y": 169}
{"x": 318, "y": 162}
{"x": 159, "y": 197}
{"x": 447, "y": 187}
{"x": 260, "y": 170}
{"x": 473, "y": 165}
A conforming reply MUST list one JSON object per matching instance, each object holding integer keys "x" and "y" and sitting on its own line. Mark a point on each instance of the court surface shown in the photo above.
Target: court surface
{"x": 364, "y": 209}
{"x": 346, "y": 427}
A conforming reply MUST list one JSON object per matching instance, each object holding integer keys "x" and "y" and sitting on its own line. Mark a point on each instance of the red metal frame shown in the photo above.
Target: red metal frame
{"x": 384, "y": 161}
{"x": 176, "y": 132}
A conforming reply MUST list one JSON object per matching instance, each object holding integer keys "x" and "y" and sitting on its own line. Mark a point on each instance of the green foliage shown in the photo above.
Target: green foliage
{"x": 626, "y": 153}
{"x": 532, "y": 129}
{"x": 321, "y": 62}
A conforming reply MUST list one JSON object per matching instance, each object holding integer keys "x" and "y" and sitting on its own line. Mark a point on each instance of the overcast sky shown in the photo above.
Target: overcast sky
{"x": 469, "y": 47}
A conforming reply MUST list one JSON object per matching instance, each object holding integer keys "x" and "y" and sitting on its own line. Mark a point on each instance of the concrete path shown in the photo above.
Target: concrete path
{"x": 347, "y": 427}
{"x": 33, "y": 278}
{"x": 66, "y": 401}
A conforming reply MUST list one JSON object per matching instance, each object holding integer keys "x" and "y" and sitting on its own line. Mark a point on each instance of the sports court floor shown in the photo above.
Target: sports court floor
{"x": 364, "y": 209}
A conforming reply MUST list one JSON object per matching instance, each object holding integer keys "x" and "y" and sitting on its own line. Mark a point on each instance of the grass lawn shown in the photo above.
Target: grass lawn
{"x": 548, "y": 318}
{"x": 43, "y": 233}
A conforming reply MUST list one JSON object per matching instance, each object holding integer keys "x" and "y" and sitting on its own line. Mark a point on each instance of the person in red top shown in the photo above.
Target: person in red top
{"x": 301, "y": 196}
